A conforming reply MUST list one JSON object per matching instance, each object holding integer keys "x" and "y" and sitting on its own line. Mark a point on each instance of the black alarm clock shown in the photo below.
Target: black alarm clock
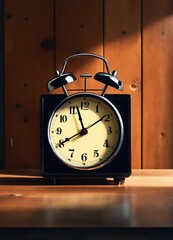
{"x": 86, "y": 135}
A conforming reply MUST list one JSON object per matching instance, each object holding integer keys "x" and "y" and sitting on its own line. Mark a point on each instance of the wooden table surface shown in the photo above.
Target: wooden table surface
{"x": 145, "y": 200}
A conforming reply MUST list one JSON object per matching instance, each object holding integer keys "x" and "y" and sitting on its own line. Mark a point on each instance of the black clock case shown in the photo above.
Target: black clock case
{"x": 119, "y": 167}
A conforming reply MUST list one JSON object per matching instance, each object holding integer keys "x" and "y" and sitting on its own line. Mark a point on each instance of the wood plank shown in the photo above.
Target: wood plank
{"x": 28, "y": 66}
{"x": 122, "y": 48}
{"x": 157, "y": 84}
{"x": 79, "y": 28}
{"x": 88, "y": 205}
{"x": 29, "y": 62}
{"x": 1, "y": 84}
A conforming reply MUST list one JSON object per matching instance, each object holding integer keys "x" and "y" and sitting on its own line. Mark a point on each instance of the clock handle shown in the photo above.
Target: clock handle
{"x": 88, "y": 55}
{"x": 109, "y": 79}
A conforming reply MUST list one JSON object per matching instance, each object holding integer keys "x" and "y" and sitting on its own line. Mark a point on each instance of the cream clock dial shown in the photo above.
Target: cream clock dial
{"x": 85, "y": 131}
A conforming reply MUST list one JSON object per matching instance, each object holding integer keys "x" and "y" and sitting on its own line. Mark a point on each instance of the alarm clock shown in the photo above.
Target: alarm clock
{"x": 86, "y": 135}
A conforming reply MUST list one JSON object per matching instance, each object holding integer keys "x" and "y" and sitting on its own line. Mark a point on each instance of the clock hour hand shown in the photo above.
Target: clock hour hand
{"x": 80, "y": 118}
{"x": 97, "y": 121}
{"x": 61, "y": 142}
{"x": 81, "y": 133}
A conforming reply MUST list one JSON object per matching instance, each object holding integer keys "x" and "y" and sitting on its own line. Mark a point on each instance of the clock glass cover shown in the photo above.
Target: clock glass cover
{"x": 85, "y": 131}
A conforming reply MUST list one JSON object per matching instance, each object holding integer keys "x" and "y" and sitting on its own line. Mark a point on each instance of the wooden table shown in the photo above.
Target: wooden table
{"x": 145, "y": 200}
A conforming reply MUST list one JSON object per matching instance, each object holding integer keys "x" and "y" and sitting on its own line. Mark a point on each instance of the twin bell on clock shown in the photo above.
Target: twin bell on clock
{"x": 86, "y": 135}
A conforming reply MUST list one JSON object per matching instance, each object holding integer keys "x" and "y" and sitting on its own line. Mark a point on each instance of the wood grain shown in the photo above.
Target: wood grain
{"x": 157, "y": 84}
{"x": 122, "y": 48}
{"x": 29, "y": 63}
{"x": 136, "y": 39}
{"x": 80, "y": 30}
{"x": 73, "y": 204}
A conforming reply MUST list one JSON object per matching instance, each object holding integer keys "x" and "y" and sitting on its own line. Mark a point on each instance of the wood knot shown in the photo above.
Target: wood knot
{"x": 47, "y": 44}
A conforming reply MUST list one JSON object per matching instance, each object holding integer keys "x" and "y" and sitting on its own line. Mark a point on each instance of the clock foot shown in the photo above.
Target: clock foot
{"x": 56, "y": 181}
{"x": 53, "y": 181}
{"x": 119, "y": 181}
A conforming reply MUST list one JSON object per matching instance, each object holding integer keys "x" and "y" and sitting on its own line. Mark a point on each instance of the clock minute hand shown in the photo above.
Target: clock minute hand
{"x": 96, "y": 121}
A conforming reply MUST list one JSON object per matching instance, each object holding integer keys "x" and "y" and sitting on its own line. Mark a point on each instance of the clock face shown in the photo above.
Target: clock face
{"x": 85, "y": 131}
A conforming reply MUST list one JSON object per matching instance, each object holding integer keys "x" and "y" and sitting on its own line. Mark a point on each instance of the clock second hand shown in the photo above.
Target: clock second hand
{"x": 83, "y": 131}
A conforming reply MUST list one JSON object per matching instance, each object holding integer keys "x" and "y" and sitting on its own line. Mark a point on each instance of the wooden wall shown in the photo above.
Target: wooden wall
{"x": 1, "y": 83}
{"x": 136, "y": 38}
{"x": 157, "y": 84}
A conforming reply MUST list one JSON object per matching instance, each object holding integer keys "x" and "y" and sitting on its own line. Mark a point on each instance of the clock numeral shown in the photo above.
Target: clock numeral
{"x": 73, "y": 110}
{"x": 84, "y": 105}
{"x": 84, "y": 157}
{"x": 97, "y": 109}
{"x": 96, "y": 154}
{"x": 107, "y": 118}
{"x": 109, "y": 130}
{"x": 63, "y": 118}
{"x": 106, "y": 144}
{"x": 72, "y": 152}
{"x": 58, "y": 130}
{"x": 61, "y": 144}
